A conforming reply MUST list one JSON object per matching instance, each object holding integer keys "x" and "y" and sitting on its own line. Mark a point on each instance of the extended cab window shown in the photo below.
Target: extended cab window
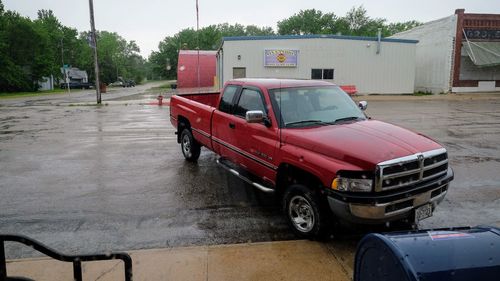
{"x": 249, "y": 100}
{"x": 226, "y": 103}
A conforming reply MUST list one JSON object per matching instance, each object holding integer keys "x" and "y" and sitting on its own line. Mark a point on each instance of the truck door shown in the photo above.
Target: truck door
{"x": 223, "y": 126}
{"x": 256, "y": 141}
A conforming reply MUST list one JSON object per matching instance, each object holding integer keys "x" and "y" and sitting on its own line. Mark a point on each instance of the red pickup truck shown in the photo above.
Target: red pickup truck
{"x": 310, "y": 143}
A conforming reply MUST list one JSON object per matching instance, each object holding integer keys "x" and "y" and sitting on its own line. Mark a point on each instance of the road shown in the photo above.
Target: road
{"x": 80, "y": 96}
{"x": 86, "y": 179}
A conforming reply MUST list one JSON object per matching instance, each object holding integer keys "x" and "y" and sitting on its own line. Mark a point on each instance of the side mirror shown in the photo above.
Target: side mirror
{"x": 254, "y": 116}
{"x": 363, "y": 105}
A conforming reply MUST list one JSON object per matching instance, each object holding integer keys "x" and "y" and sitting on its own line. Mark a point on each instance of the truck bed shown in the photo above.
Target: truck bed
{"x": 197, "y": 109}
{"x": 207, "y": 98}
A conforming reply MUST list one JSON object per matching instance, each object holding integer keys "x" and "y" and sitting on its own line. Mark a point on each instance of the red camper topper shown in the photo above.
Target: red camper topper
{"x": 187, "y": 68}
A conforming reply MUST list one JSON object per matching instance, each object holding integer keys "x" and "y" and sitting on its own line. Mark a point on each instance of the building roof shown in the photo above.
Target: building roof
{"x": 195, "y": 52}
{"x": 424, "y": 26}
{"x": 315, "y": 36}
{"x": 271, "y": 83}
{"x": 75, "y": 73}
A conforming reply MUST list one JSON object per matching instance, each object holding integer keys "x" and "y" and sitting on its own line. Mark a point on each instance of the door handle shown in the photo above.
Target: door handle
{"x": 232, "y": 125}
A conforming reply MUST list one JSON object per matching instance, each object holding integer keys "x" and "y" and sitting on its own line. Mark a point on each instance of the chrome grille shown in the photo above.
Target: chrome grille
{"x": 408, "y": 170}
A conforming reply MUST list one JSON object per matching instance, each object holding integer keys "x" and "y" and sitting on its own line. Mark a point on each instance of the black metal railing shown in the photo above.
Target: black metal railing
{"x": 76, "y": 260}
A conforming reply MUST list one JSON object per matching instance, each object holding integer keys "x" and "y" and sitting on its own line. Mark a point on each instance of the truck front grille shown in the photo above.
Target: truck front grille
{"x": 411, "y": 169}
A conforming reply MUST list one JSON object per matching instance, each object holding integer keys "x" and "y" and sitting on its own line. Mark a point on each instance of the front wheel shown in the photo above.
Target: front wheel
{"x": 303, "y": 212}
{"x": 190, "y": 147}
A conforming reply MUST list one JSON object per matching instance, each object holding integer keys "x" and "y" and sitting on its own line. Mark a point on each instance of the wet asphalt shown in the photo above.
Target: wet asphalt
{"x": 85, "y": 178}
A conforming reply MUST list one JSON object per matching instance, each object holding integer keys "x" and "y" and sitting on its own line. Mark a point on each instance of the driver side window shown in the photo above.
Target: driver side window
{"x": 249, "y": 100}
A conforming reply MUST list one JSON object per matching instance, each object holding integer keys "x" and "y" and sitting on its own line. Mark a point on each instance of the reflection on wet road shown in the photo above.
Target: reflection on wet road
{"x": 85, "y": 178}
{"x": 470, "y": 130}
{"x": 88, "y": 179}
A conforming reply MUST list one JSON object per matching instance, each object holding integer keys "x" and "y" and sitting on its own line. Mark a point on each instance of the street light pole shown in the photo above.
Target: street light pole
{"x": 94, "y": 46}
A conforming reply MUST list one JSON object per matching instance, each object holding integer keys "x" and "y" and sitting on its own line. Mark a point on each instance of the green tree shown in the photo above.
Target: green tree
{"x": 253, "y": 30}
{"x": 397, "y": 27}
{"x": 49, "y": 27}
{"x": 308, "y": 22}
{"x": 30, "y": 50}
{"x": 356, "y": 22}
{"x": 207, "y": 38}
{"x": 24, "y": 60}
{"x": 359, "y": 23}
{"x": 118, "y": 58}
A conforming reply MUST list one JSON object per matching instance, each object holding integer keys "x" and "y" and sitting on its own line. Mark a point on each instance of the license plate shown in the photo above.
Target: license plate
{"x": 423, "y": 212}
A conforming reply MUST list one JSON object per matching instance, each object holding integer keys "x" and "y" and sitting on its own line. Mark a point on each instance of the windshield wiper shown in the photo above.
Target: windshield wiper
{"x": 346, "y": 119}
{"x": 312, "y": 122}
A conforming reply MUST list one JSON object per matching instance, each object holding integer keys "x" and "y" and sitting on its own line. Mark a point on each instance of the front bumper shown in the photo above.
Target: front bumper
{"x": 384, "y": 207}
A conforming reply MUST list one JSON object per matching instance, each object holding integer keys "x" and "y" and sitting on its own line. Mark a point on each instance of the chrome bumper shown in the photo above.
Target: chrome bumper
{"x": 388, "y": 211}
{"x": 379, "y": 211}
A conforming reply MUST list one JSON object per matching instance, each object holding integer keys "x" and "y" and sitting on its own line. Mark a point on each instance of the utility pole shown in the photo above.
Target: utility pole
{"x": 94, "y": 43}
{"x": 66, "y": 78}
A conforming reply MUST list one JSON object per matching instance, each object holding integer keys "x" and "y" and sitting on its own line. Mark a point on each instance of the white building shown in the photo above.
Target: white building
{"x": 46, "y": 83}
{"x": 74, "y": 74}
{"x": 459, "y": 53}
{"x": 374, "y": 67}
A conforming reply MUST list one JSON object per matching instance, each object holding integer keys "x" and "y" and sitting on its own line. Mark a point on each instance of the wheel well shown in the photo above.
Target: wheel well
{"x": 289, "y": 174}
{"x": 182, "y": 123}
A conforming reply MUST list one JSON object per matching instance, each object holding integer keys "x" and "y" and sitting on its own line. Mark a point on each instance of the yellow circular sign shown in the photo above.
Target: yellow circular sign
{"x": 281, "y": 57}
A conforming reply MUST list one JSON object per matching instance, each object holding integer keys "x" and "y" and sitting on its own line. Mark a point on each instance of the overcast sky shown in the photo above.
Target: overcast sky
{"x": 149, "y": 21}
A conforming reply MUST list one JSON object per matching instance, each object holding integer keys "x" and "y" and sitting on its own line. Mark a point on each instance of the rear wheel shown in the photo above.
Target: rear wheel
{"x": 303, "y": 212}
{"x": 190, "y": 147}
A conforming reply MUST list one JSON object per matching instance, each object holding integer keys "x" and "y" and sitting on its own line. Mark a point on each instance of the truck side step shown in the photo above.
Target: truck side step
{"x": 226, "y": 164}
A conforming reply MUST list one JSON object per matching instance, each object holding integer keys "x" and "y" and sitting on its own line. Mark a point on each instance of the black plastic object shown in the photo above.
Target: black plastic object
{"x": 454, "y": 254}
{"x": 76, "y": 260}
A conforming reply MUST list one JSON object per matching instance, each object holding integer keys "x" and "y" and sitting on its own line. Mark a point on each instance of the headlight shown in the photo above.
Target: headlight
{"x": 349, "y": 184}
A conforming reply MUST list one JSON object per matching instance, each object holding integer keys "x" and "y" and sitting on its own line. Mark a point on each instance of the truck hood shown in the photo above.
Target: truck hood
{"x": 364, "y": 144}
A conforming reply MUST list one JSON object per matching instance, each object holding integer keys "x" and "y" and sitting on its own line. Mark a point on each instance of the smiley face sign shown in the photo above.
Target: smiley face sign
{"x": 281, "y": 57}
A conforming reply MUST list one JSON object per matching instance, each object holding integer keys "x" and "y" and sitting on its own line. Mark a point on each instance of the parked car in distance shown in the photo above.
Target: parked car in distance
{"x": 77, "y": 85}
{"x": 116, "y": 84}
{"x": 129, "y": 83}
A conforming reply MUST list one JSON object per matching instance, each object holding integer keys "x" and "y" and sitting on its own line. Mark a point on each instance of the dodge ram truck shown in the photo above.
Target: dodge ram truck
{"x": 309, "y": 143}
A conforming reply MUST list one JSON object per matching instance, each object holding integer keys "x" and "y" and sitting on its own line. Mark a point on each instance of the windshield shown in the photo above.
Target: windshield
{"x": 313, "y": 106}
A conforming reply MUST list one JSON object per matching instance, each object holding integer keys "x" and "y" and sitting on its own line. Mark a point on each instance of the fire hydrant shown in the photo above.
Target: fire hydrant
{"x": 160, "y": 100}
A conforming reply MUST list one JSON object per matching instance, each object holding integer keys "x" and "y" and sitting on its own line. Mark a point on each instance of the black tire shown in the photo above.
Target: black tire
{"x": 189, "y": 146}
{"x": 303, "y": 212}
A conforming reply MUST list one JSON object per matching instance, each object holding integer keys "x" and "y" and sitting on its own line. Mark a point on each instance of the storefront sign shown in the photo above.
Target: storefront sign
{"x": 281, "y": 58}
{"x": 482, "y": 34}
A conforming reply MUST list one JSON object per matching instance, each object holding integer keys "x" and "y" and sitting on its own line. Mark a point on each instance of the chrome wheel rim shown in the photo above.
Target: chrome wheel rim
{"x": 186, "y": 146}
{"x": 301, "y": 213}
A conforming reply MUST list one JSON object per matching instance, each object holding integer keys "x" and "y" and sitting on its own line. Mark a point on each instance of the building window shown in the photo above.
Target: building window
{"x": 328, "y": 74}
{"x": 239, "y": 72}
{"x": 325, "y": 74}
{"x": 316, "y": 73}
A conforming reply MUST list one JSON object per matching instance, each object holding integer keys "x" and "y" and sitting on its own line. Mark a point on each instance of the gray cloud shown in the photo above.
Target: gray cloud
{"x": 149, "y": 21}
